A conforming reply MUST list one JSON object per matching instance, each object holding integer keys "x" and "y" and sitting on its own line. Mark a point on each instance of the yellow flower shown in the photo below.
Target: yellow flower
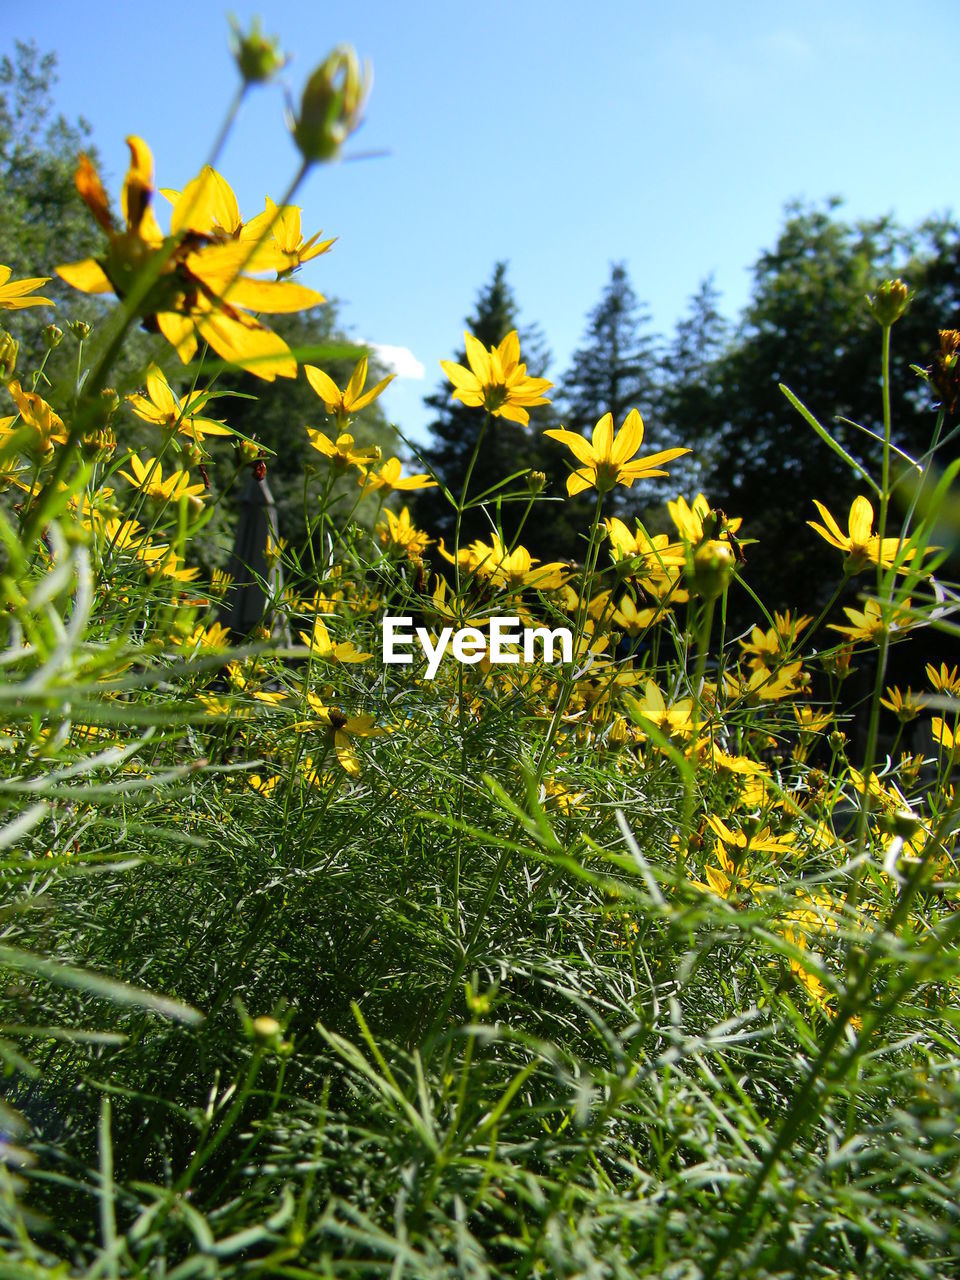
{"x": 162, "y": 407}
{"x": 860, "y": 543}
{"x": 496, "y": 380}
{"x": 343, "y": 729}
{"x": 605, "y": 458}
{"x": 148, "y": 478}
{"x": 767, "y": 647}
{"x": 46, "y": 426}
{"x": 389, "y": 478}
{"x": 345, "y": 404}
{"x": 945, "y": 680}
{"x": 204, "y": 289}
{"x": 762, "y": 685}
{"x": 206, "y": 639}
{"x": 761, "y": 841}
{"x": 14, "y": 293}
{"x": 676, "y": 720}
{"x": 635, "y": 621}
{"x": 399, "y": 532}
{"x": 288, "y": 236}
{"x": 905, "y": 704}
{"x": 689, "y": 519}
{"x": 870, "y": 623}
{"x": 343, "y": 452}
{"x": 330, "y": 651}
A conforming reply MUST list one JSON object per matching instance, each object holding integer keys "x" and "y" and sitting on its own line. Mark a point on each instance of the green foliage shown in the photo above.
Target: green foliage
{"x": 807, "y": 326}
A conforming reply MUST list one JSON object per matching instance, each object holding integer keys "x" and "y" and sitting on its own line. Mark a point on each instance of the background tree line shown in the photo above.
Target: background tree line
{"x": 712, "y": 385}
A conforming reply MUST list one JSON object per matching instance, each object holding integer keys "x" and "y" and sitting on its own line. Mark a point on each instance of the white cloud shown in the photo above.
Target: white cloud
{"x": 399, "y": 360}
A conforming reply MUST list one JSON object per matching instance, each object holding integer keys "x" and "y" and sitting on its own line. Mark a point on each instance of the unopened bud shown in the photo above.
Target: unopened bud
{"x": 105, "y": 406}
{"x": 714, "y": 564}
{"x": 249, "y": 450}
{"x": 889, "y": 302}
{"x": 331, "y": 107}
{"x": 536, "y": 481}
{"x": 52, "y": 336}
{"x": 266, "y": 1028}
{"x": 9, "y": 347}
{"x": 258, "y": 57}
{"x": 192, "y": 451}
{"x": 80, "y": 330}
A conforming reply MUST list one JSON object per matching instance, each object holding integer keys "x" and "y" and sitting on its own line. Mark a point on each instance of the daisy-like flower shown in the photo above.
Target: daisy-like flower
{"x": 673, "y": 721}
{"x": 510, "y": 570}
{"x": 607, "y": 460}
{"x": 870, "y": 622}
{"x": 344, "y": 452}
{"x": 391, "y": 479}
{"x": 148, "y": 478}
{"x": 348, "y": 402}
{"x": 399, "y": 532}
{"x": 17, "y": 294}
{"x": 905, "y": 704}
{"x": 204, "y": 288}
{"x": 946, "y": 680}
{"x": 44, "y": 425}
{"x": 162, "y": 407}
{"x": 344, "y": 730}
{"x": 287, "y": 235}
{"x": 860, "y": 544}
{"x": 496, "y": 380}
{"x": 635, "y": 621}
{"x": 690, "y": 519}
{"x": 328, "y": 650}
{"x": 737, "y": 843}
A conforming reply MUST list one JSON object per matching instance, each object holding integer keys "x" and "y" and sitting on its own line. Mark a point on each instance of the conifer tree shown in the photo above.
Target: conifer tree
{"x": 615, "y": 370}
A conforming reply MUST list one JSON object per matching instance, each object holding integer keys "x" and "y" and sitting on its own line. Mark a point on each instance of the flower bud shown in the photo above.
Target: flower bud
{"x": 9, "y": 347}
{"x": 266, "y": 1028}
{"x": 192, "y": 452}
{"x": 258, "y": 57}
{"x": 713, "y": 568}
{"x": 536, "y": 482}
{"x": 331, "y": 105}
{"x": 80, "y": 330}
{"x": 105, "y": 406}
{"x": 889, "y": 302}
{"x": 52, "y": 336}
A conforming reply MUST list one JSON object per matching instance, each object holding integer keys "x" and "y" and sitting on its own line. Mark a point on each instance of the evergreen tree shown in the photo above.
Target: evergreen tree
{"x": 616, "y": 368}
{"x": 690, "y": 397}
{"x": 614, "y": 371}
{"x": 507, "y": 447}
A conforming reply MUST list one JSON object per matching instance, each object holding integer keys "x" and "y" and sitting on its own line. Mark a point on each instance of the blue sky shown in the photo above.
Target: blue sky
{"x": 558, "y": 135}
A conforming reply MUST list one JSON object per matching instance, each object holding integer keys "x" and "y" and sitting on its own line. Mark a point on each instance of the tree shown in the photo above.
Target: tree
{"x": 808, "y": 326}
{"x": 690, "y": 395}
{"x": 42, "y": 219}
{"x": 615, "y": 370}
{"x": 507, "y": 447}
